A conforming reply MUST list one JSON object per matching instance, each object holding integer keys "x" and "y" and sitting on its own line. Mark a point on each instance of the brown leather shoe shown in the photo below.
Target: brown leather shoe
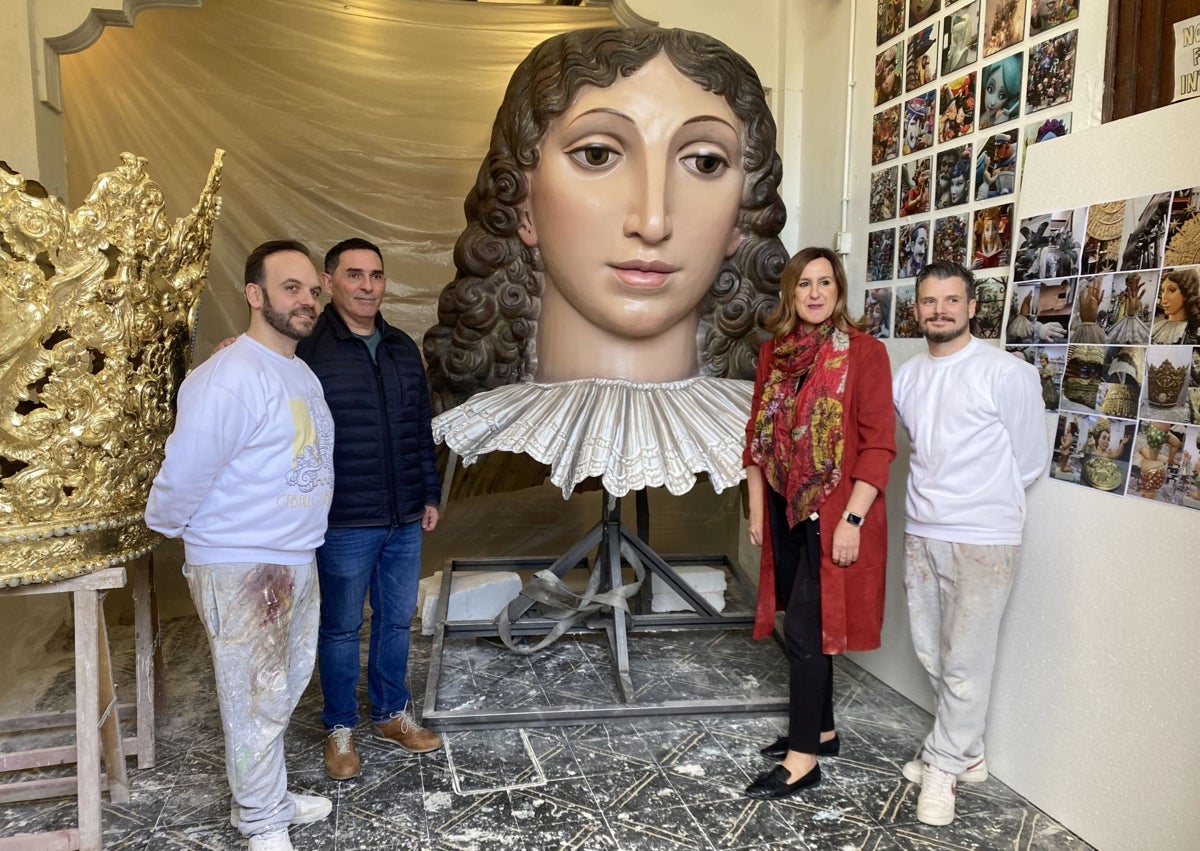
{"x": 341, "y": 757}
{"x": 403, "y": 730}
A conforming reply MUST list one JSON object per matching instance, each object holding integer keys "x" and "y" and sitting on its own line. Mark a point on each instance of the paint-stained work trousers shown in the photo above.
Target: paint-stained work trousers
{"x": 956, "y": 599}
{"x": 261, "y": 621}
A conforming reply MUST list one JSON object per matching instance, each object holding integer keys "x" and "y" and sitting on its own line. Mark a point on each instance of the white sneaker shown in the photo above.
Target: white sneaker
{"x": 275, "y": 841}
{"x": 976, "y": 772}
{"x": 935, "y": 804}
{"x": 309, "y": 808}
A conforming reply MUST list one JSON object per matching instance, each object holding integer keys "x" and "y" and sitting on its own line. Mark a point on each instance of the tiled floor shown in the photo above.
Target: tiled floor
{"x": 636, "y": 784}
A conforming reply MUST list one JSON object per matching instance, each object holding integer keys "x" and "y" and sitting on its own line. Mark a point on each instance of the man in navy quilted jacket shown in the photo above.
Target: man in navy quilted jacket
{"x": 385, "y": 496}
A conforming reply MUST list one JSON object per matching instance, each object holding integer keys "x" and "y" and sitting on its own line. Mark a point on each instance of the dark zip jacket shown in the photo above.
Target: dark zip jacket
{"x": 383, "y": 461}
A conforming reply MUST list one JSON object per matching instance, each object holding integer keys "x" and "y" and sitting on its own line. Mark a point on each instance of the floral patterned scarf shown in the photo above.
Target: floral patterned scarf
{"x": 798, "y": 436}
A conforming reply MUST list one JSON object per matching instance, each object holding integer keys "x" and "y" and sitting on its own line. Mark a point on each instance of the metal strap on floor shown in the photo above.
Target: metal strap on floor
{"x": 608, "y": 537}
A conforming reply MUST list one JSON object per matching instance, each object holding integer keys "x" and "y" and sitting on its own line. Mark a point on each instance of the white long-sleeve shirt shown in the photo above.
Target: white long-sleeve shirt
{"x": 977, "y": 425}
{"x": 248, "y": 474}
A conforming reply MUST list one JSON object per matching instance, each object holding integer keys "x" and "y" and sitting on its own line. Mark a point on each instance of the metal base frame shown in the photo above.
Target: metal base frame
{"x": 606, "y": 538}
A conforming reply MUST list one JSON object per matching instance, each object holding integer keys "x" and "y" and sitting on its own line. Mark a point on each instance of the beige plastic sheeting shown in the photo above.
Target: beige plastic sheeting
{"x": 339, "y": 118}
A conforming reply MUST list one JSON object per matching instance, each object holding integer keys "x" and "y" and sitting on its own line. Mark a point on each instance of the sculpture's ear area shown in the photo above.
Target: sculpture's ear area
{"x": 525, "y": 228}
{"x": 735, "y": 240}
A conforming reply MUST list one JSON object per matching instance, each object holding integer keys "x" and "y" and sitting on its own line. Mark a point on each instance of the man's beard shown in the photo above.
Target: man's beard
{"x": 947, "y": 335}
{"x": 282, "y": 322}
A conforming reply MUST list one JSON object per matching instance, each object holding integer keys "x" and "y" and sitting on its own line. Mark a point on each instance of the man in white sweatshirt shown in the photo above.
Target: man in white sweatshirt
{"x": 247, "y": 482}
{"x": 976, "y": 420}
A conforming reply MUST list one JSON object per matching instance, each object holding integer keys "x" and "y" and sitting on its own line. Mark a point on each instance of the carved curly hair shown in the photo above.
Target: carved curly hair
{"x": 1188, "y": 281}
{"x": 487, "y": 317}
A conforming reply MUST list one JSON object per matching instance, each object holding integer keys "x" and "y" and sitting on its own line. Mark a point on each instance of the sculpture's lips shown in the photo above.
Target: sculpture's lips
{"x": 644, "y": 274}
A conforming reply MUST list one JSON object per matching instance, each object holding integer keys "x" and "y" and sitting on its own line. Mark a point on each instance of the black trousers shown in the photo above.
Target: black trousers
{"x": 798, "y": 588}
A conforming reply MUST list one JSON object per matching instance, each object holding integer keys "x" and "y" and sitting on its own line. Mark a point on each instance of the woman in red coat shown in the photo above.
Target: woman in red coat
{"x": 819, "y": 441}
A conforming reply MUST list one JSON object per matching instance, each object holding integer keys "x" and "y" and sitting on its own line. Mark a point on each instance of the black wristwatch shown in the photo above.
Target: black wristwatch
{"x": 852, "y": 519}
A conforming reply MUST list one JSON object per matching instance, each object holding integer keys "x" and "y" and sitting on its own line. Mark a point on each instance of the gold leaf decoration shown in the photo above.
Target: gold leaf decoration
{"x": 97, "y": 314}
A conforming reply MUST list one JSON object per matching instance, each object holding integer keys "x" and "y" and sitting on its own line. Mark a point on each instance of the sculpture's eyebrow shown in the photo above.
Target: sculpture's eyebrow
{"x": 695, "y": 119}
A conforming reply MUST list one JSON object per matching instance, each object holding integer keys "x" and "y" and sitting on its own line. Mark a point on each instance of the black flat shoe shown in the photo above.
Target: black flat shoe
{"x": 778, "y": 749}
{"x": 774, "y": 784}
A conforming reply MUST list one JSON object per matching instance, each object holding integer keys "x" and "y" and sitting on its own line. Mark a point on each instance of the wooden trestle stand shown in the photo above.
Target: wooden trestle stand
{"x": 95, "y": 718}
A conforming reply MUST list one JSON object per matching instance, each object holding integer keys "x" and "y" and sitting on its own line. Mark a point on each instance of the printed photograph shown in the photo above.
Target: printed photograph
{"x": 954, "y": 167}
{"x": 1050, "y": 362}
{"x": 905, "y": 323}
{"x": 1000, "y": 91}
{"x": 956, "y": 105}
{"x": 1051, "y": 72}
{"x": 996, "y": 166}
{"x": 919, "y": 118}
{"x": 1102, "y": 237}
{"x": 913, "y": 249}
{"x": 989, "y": 308}
{"x": 914, "y": 186}
{"x": 1046, "y": 130}
{"x": 1066, "y": 456}
{"x": 1048, "y": 245}
{"x": 883, "y": 195}
{"x": 1022, "y": 315}
{"x": 1055, "y": 299}
{"x": 1144, "y": 231}
{"x": 877, "y": 311}
{"x": 950, "y": 239}
{"x": 881, "y": 254}
{"x": 1121, "y": 381}
{"x": 1045, "y": 15}
{"x": 1003, "y": 24}
{"x": 1081, "y": 378}
{"x": 992, "y": 241}
{"x": 1177, "y": 307}
{"x": 960, "y": 38}
{"x": 1183, "y": 230}
{"x": 885, "y": 135}
{"x": 921, "y": 58}
{"x": 1165, "y": 385}
{"x": 889, "y": 73}
{"x": 919, "y": 10}
{"x": 889, "y": 20}
{"x": 1130, "y": 308}
{"x": 1107, "y": 445}
{"x": 1155, "y": 467}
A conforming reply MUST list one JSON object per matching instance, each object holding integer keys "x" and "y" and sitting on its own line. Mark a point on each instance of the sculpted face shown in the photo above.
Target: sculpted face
{"x": 634, "y": 203}
{"x": 1171, "y": 300}
{"x": 816, "y": 293}
{"x": 995, "y": 94}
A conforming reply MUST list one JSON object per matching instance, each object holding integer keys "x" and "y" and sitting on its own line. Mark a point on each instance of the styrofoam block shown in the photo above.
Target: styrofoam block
{"x": 709, "y": 581}
{"x": 474, "y": 595}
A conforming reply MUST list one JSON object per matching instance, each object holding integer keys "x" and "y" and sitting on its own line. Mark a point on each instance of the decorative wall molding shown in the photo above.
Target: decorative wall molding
{"x": 84, "y": 35}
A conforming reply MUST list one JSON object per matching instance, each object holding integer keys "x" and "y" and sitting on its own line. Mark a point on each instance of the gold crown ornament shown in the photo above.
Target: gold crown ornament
{"x": 1164, "y": 382}
{"x": 97, "y": 314}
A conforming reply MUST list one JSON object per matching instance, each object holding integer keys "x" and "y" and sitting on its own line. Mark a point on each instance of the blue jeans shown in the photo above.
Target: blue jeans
{"x": 387, "y": 561}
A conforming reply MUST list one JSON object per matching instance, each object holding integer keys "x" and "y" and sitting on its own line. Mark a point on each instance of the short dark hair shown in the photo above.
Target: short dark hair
{"x": 354, "y": 243}
{"x": 257, "y": 258}
{"x": 942, "y": 269}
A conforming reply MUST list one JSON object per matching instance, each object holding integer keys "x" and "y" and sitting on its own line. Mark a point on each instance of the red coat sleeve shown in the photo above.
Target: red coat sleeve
{"x": 876, "y": 424}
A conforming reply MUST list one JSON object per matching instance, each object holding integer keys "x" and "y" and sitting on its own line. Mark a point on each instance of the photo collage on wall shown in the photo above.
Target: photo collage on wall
{"x": 1105, "y": 303}
{"x": 962, "y": 89}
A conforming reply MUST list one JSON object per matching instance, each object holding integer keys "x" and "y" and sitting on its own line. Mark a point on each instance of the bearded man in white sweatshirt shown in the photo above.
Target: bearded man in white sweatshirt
{"x": 246, "y": 482}
{"x": 976, "y": 420}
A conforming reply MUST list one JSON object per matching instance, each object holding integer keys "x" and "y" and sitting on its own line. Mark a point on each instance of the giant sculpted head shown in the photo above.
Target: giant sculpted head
{"x": 624, "y": 223}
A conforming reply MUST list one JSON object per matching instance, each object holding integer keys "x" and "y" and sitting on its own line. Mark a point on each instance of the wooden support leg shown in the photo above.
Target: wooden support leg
{"x": 87, "y": 698}
{"x": 110, "y": 727}
{"x": 148, "y": 658}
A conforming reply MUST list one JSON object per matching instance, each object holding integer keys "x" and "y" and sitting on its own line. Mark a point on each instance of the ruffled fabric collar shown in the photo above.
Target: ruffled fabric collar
{"x": 632, "y": 436}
